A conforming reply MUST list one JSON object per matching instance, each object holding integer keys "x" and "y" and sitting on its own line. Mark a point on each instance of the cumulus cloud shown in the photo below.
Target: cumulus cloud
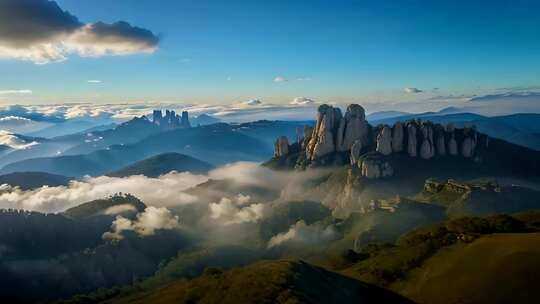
{"x": 146, "y": 223}
{"x": 41, "y": 32}
{"x": 236, "y": 210}
{"x": 302, "y": 101}
{"x": 280, "y": 79}
{"x": 412, "y": 90}
{"x": 15, "y": 92}
{"x": 304, "y": 234}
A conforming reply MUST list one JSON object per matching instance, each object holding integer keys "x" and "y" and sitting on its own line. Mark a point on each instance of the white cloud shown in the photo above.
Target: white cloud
{"x": 145, "y": 224}
{"x": 412, "y": 90}
{"x": 304, "y": 79}
{"x": 280, "y": 79}
{"x": 236, "y": 210}
{"x": 41, "y": 32}
{"x": 304, "y": 234}
{"x": 302, "y": 101}
{"x": 15, "y": 92}
{"x": 94, "y": 81}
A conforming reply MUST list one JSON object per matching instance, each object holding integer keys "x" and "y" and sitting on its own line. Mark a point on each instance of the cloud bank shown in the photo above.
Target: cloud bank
{"x": 41, "y": 32}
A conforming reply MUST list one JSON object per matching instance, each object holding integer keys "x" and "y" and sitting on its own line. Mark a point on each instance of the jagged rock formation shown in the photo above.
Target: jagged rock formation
{"x": 322, "y": 141}
{"x": 411, "y": 136}
{"x": 352, "y": 127}
{"x": 371, "y": 148}
{"x": 171, "y": 120}
{"x": 397, "y": 137}
{"x": 375, "y": 167}
{"x": 356, "y": 148}
{"x": 281, "y": 146}
{"x": 384, "y": 141}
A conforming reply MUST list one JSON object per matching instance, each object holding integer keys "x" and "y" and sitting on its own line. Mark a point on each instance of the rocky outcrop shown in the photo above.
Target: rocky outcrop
{"x": 281, "y": 147}
{"x": 171, "y": 120}
{"x": 375, "y": 167}
{"x": 352, "y": 127}
{"x": 411, "y": 140}
{"x": 338, "y": 140}
{"x": 441, "y": 144}
{"x": 427, "y": 149}
{"x": 397, "y": 137}
{"x": 184, "y": 122}
{"x": 322, "y": 141}
{"x": 356, "y": 148}
{"x": 452, "y": 146}
{"x": 384, "y": 141}
{"x": 467, "y": 147}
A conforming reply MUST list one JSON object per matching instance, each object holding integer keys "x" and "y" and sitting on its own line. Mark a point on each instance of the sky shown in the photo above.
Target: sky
{"x": 221, "y": 52}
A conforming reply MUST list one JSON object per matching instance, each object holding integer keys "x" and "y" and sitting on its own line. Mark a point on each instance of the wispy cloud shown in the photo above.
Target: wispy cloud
{"x": 15, "y": 92}
{"x": 280, "y": 79}
{"x": 304, "y": 79}
{"x": 94, "y": 81}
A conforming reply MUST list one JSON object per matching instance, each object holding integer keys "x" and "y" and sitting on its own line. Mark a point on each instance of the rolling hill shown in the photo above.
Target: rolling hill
{"x": 452, "y": 261}
{"x": 32, "y": 180}
{"x": 267, "y": 282}
{"x": 163, "y": 163}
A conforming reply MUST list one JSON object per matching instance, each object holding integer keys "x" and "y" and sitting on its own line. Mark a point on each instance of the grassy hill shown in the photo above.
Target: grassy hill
{"x": 163, "y": 163}
{"x": 267, "y": 282}
{"x": 452, "y": 261}
{"x": 505, "y": 266}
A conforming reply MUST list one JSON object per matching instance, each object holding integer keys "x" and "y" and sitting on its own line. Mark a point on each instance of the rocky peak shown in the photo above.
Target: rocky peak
{"x": 171, "y": 120}
{"x": 281, "y": 146}
{"x": 323, "y": 141}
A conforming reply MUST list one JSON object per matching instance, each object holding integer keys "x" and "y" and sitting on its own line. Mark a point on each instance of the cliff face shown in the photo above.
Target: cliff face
{"x": 350, "y": 139}
{"x": 171, "y": 120}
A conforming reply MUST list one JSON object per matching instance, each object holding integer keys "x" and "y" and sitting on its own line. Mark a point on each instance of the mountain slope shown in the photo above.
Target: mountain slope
{"x": 457, "y": 274}
{"x": 163, "y": 163}
{"x": 32, "y": 180}
{"x": 268, "y": 282}
{"x": 452, "y": 261}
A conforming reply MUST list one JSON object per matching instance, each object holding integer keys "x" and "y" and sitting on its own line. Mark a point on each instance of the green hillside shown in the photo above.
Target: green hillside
{"x": 505, "y": 266}
{"x": 450, "y": 262}
{"x": 163, "y": 163}
{"x": 267, "y": 282}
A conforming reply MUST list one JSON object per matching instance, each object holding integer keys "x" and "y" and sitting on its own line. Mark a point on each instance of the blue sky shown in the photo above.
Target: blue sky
{"x": 227, "y": 51}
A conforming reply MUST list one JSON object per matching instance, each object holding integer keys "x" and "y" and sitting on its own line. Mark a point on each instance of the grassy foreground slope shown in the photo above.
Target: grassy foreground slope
{"x": 268, "y": 282}
{"x": 493, "y": 259}
{"x": 498, "y": 268}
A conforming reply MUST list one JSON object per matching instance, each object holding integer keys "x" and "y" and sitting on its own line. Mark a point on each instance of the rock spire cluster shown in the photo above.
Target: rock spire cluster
{"x": 171, "y": 120}
{"x": 371, "y": 148}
